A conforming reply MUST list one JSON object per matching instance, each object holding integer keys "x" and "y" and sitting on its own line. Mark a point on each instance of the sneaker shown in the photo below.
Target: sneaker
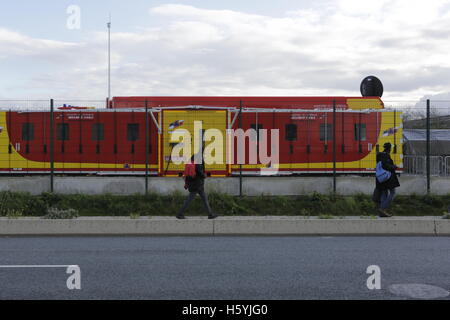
{"x": 212, "y": 216}
{"x": 383, "y": 213}
{"x": 180, "y": 217}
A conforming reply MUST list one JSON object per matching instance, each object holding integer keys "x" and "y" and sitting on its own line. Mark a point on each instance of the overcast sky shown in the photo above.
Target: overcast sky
{"x": 245, "y": 47}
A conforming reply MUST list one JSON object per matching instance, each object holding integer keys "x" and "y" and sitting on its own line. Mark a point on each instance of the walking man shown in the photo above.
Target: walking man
{"x": 195, "y": 183}
{"x": 387, "y": 188}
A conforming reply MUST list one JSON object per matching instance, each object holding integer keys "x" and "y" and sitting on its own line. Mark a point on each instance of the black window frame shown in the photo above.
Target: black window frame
{"x": 133, "y": 131}
{"x": 62, "y": 131}
{"x": 360, "y": 132}
{"x": 290, "y": 132}
{"x": 329, "y": 127}
{"x": 27, "y": 131}
{"x": 98, "y": 132}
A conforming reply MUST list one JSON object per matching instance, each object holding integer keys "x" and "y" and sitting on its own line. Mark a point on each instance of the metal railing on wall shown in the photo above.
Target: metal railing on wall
{"x": 417, "y": 165}
{"x": 447, "y": 166}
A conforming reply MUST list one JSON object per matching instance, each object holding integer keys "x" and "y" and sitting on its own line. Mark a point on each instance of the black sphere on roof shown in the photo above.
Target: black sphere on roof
{"x": 371, "y": 86}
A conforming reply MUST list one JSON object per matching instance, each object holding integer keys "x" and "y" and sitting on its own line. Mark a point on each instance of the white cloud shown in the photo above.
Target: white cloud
{"x": 323, "y": 50}
{"x": 15, "y": 43}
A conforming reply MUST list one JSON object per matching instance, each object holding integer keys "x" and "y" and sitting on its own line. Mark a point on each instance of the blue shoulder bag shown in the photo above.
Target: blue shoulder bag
{"x": 381, "y": 174}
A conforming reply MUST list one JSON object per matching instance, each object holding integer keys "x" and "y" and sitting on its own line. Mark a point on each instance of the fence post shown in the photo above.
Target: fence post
{"x": 428, "y": 146}
{"x": 240, "y": 164}
{"x": 334, "y": 147}
{"x": 52, "y": 145}
{"x": 146, "y": 147}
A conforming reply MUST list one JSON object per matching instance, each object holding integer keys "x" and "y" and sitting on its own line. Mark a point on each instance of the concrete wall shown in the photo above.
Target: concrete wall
{"x": 346, "y": 185}
{"x": 226, "y": 226}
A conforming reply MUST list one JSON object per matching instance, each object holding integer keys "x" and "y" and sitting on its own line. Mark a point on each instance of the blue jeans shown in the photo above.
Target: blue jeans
{"x": 386, "y": 198}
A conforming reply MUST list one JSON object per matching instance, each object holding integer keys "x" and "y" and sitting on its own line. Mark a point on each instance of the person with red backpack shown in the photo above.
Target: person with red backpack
{"x": 194, "y": 181}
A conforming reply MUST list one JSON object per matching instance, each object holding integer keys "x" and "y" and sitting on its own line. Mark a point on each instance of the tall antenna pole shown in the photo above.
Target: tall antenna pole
{"x": 109, "y": 58}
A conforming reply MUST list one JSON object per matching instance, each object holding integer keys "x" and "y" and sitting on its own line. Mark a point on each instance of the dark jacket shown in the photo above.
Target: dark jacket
{"x": 387, "y": 164}
{"x": 196, "y": 184}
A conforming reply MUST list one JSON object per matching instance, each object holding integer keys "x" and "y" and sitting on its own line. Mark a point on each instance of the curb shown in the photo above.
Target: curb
{"x": 421, "y": 226}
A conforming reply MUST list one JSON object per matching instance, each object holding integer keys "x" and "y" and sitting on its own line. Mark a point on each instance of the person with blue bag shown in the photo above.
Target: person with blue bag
{"x": 386, "y": 179}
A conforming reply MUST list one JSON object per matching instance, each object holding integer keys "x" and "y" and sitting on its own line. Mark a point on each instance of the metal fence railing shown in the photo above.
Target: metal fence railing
{"x": 417, "y": 165}
{"x": 447, "y": 166}
{"x": 426, "y": 143}
{"x": 318, "y": 137}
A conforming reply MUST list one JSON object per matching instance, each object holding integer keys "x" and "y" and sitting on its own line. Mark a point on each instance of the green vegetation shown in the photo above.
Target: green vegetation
{"x": 135, "y": 215}
{"x": 326, "y": 216}
{"x": 69, "y": 206}
{"x": 55, "y": 213}
{"x": 14, "y": 214}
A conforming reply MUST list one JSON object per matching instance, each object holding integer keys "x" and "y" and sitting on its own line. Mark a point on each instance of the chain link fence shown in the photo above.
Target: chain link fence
{"x": 426, "y": 136}
{"x": 327, "y": 136}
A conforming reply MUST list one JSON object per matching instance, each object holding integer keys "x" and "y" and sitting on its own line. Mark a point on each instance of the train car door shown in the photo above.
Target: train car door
{"x": 130, "y": 132}
{"x": 184, "y": 120}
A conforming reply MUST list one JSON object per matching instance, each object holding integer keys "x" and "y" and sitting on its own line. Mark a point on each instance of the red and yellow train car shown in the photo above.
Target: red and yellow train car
{"x": 113, "y": 140}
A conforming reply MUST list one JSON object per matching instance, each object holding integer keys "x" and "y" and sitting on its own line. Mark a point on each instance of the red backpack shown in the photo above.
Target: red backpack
{"x": 189, "y": 170}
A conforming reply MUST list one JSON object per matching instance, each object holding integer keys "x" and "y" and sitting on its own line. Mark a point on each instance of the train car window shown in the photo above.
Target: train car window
{"x": 360, "y": 132}
{"x": 133, "y": 131}
{"x": 326, "y": 132}
{"x": 97, "y": 132}
{"x": 257, "y": 128}
{"x": 62, "y": 131}
{"x": 27, "y": 131}
{"x": 290, "y": 132}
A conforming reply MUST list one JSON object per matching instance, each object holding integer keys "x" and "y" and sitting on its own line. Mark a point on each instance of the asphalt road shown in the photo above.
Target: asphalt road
{"x": 225, "y": 267}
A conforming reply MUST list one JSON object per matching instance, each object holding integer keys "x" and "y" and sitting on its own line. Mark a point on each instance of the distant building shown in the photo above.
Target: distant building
{"x": 440, "y": 122}
{"x": 415, "y": 142}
